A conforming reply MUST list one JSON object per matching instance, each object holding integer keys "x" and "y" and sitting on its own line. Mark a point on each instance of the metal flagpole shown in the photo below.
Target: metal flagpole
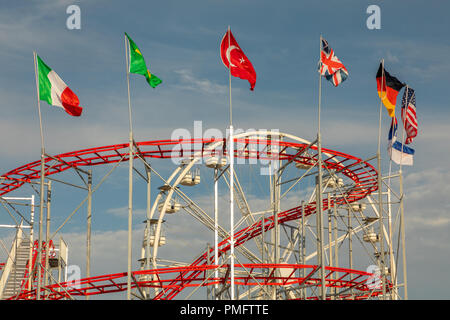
{"x": 148, "y": 224}
{"x": 130, "y": 177}
{"x": 402, "y": 217}
{"x": 231, "y": 156}
{"x": 380, "y": 196}
{"x": 393, "y": 271}
{"x": 320, "y": 253}
{"x": 41, "y": 193}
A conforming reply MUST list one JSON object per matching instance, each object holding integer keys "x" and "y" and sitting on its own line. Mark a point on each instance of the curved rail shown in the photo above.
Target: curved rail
{"x": 362, "y": 175}
{"x": 341, "y": 279}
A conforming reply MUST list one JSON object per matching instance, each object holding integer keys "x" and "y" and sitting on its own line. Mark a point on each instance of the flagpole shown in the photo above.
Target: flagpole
{"x": 229, "y": 76}
{"x": 393, "y": 270}
{"x": 319, "y": 217}
{"x": 130, "y": 177}
{"x": 402, "y": 217}
{"x": 41, "y": 193}
{"x": 231, "y": 156}
{"x": 379, "y": 180}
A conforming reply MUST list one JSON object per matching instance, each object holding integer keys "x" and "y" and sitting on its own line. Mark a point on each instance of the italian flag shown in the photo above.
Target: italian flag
{"x": 55, "y": 92}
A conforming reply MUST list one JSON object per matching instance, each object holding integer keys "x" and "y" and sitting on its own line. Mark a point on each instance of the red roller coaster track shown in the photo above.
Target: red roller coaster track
{"x": 336, "y": 278}
{"x": 362, "y": 175}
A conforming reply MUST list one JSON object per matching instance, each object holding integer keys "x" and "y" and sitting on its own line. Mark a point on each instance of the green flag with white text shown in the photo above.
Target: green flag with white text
{"x": 138, "y": 66}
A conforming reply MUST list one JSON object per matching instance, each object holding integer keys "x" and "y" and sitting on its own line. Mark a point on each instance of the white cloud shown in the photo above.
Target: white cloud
{"x": 123, "y": 212}
{"x": 191, "y": 82}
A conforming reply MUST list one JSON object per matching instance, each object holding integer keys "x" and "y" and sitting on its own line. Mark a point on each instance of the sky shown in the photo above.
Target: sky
{"x": 180, "y": 42}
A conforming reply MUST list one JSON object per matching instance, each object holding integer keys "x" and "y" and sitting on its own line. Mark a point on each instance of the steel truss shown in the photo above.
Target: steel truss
{"x": 267, "y": 269}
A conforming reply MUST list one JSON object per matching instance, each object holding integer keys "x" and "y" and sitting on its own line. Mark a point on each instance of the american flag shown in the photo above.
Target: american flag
{"x": 330, "y": 66}
{"x": 409, "y": 117}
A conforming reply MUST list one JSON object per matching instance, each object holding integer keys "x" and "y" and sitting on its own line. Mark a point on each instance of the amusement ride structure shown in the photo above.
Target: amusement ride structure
{"x": 322, "y": 225}
{"x": 290, "y": 249}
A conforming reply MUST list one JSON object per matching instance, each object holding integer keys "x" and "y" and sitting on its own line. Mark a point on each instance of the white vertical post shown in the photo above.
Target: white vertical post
{"x": 231, "y": 159}
{"x": 402, "y": 231}
{"x": 350, "y": 243}
{"x": 47, "y": 233}
{"x": 231, "y": 155}
{"x": 393, "y": 271}
{"x": 380, "y": 196}
{"x": 216, "y": 227}
{"x": 130, "y": 178}
{"x": 320, "y": 253}
{"x": 336, "y": 245}
{"x": 402, "y": 217}
{"x": 330, "y": 247}
{"x": 31, "y": 243}
{"x": 41, "y": 194}
{"x": 303, "y": 247}
{"x": 88, "y": 228}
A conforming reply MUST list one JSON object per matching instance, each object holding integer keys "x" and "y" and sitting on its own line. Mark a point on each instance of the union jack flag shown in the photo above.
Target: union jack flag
{"x": 409, "y": 117}
{"x": 330, "y": 66}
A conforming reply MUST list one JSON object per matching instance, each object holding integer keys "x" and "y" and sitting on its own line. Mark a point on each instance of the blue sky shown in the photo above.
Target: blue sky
{"x": 180, "y": 41}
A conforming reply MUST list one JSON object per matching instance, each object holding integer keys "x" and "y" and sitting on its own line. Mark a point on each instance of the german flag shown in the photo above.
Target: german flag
{"x": 388, "y": 88}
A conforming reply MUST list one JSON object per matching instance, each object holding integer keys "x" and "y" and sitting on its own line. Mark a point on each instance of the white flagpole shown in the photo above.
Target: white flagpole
{"x": 379, "y": 180}
{"x": 130, "y": 177}
{"x": 402, "y": 217}
{"x": 41, "y": 193}
{"x": 319, "y": 218}
{"x": 231, "y": 157}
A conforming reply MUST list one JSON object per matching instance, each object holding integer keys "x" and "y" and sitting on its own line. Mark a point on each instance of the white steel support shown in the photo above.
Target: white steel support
{"x": 319, "y": 202}
{"x": 41, "y": 194}
{"x": 380, "y": 198}
{"x": 130, "y": 175}
{"x": 30, "y": 257}
{"x": 402, "y": 234}
{"x": 148, "y": 224}
{"x": 47, "y": 232}
{"x": 216, "y": 230}
{"x": 88, "y": 228}
{"x": 231, "y": 159}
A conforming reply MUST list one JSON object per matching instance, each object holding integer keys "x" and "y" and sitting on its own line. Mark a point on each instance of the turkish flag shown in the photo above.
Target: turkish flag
{"x": 234, "y": 58}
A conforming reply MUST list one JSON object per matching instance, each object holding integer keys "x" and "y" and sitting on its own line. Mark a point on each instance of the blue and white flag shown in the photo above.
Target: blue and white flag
{"x": 398, "y": 152}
